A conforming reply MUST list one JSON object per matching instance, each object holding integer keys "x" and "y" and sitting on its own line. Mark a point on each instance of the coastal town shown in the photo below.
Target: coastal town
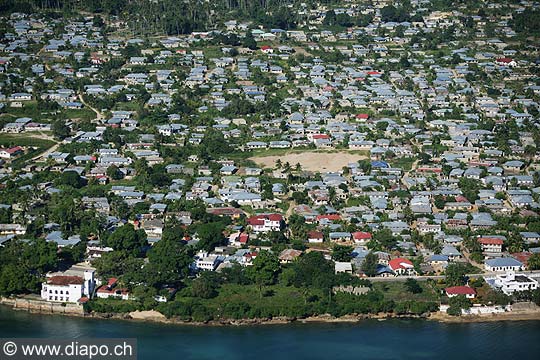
{"x": 344, "y": 158}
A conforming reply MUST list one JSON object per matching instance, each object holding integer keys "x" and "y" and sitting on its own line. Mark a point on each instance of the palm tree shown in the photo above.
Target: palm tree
{"x": 298, "y": 167}
{"x": 278, "y": 164}
{"x": 287, "y": 167}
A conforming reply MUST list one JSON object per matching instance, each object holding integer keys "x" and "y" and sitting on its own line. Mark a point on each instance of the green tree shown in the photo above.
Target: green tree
{"x": 70, "y": 178}
{"x": 60, "y": 130}
{"x": 342, "y": 253}
{"x": 210, "y": 235}
{"x": 455, "y": 274}
{"x": 249, "y": 41}
{"x": 458, "y": 303}
{"x": 369, "y": 265}
{"x": 169, "y": 261}
{"x": 264, "y": 270}
{"x": 206, "y": 285}
{"x": 312, "y": 270}
{"x": 126, "y": 238}
{"x": 114, "y": 173}
{"x": 534, "y": 262}
{"x": 413, "y": 286}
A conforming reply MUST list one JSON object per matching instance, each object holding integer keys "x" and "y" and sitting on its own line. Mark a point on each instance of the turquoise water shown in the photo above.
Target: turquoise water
{"x": 396, "y": 339}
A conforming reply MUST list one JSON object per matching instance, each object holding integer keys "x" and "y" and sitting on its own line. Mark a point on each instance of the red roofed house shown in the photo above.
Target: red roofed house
{"x": 522, "y": 257}
{"x": 362, "y": 116}
{"x": 361, "y": 237}
{"x": 315, "y": 237}
{"x": 491, "y": 245}
{"x": 68, "y": 289}
{"x": 461, "y": 198}
{"x": 318, "y": 136}
{"x": 110, "y": 290}
{"x": 469, "y": 292}
{"x": 249, "y": 257}
{"x": 506, "y": 62}
{"x": 330, "y": 217}
{"x": 402, "y": 266}
{"x": 239, "y": 239}
{"x": 267, "y": 49}
{"x": 11, "y": 152}
{"x": 429, "y": 169}
{"x": 266, "y": 222}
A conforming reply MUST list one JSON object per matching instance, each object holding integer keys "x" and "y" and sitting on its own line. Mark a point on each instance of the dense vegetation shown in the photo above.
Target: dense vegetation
{"x": 268, "y": 289}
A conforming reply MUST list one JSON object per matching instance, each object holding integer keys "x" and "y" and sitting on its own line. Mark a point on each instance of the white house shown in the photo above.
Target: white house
{"x": 467, "y": 291}
{"x": 207, "y": 262}
{"x": 503, "y": 264}
{"x": 60, "y": 288}
{"x": 110, "y": 290}
{"x": 402, "y": 266}
{"x": 264, "y": 223}
{"x": 512, "y": 282}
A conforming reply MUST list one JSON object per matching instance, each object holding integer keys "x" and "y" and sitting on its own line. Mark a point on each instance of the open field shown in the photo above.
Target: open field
{"x": 311, "y": 160}
{"x": 36, "y": 144}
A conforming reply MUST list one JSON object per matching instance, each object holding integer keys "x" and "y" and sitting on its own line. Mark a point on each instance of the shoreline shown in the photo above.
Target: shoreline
{"x": 152, "y": 316}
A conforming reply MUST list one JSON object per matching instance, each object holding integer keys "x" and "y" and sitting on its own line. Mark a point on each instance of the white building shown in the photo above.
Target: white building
{"x": 207, "y": 262}
{"x": 503, "y": 264}
{"x": 266, "y": 222}
{"x": 61, "y": 288}
{"x": 512, "y": 282}
{"x": 110, "y": 290}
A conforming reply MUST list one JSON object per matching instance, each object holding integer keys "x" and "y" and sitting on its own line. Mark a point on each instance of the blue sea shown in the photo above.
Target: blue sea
{"x": 371, "y": 339}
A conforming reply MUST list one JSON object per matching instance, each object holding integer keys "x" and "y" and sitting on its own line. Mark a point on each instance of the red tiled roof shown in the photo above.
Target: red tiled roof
{"x": 429, "y": 169}
{"x": 275, "y": 217}
{"x": 490, "y": 241}
{"x": 321, "y": 136}
{"x": 400, "y": 263}
{"x": 361, "y": 235}
{"x": 105, "y": 290}
{"x": 522, "y": 257}
{"x": 505, "y": 60}
{"x": 460, "y": 290}
{"x": 259, "y": 219}
{"x": 332, "y": 217}
{"x": 13, "y": 150}
{"x": 65, "y": 280}
{"x": 243, "y": 238}
{"x": 315, "y": 235}
{"x": 362, "y": 116}
{"x": 255, "y": 221}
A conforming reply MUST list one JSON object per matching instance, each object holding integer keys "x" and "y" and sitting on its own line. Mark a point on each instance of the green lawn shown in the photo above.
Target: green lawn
{"x": 24, "y": 140}
{"x": 81, "y": 114}
{"x": 29, "y": 109}
{"x": 34, "y": 146}
{"x": 405, "y": 163}
{"x": 396, "y": 290}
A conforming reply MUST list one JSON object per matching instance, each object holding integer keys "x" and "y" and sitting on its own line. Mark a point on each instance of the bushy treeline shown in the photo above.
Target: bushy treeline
{"x": 342, "y": 304}
{"x": 266, "y": 290}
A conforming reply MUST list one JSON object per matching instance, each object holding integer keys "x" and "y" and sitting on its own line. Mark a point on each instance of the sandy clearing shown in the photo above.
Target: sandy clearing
{"x": 311, "y": 161}
{"x": 151, "y": 315}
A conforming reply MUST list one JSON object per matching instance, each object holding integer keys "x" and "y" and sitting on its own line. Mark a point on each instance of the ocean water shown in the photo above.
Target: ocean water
{"x": 391, "y": 339}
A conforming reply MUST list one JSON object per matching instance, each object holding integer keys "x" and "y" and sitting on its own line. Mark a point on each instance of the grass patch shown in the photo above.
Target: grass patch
{"x": 396, "y": 290}
{"x": 7, "y": 140}
{"x": 34, "y": 146}
{"x": 81, "y": 114}
{"x": 405, "y": 163}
